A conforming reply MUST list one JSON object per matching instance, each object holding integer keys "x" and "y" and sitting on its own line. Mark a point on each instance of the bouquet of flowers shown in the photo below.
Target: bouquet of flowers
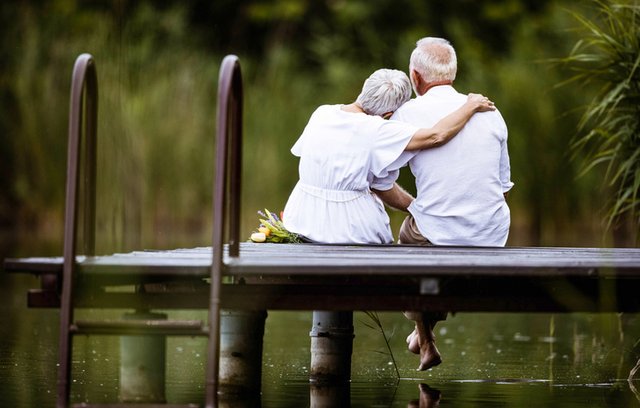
{"x": 272, "y": 229}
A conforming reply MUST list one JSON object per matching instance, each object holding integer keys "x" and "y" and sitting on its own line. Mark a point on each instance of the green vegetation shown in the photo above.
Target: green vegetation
{"x": 377, "y": 326}
{"x": 608, "y": 55}
{"x": 157, "y": 70}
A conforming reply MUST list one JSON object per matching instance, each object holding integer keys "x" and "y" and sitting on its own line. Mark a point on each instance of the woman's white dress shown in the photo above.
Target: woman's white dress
{"x": 342, "y": 156}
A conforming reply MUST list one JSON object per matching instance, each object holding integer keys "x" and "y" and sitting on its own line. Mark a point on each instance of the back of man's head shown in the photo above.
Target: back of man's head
{"x": 434, "y": 59}
{"x": 384, "y": 91}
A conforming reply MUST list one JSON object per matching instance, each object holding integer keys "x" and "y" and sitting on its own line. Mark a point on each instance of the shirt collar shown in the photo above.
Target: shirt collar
{"x": 441, "y": 90}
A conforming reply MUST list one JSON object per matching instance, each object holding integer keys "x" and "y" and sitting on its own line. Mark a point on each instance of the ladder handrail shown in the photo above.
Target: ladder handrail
{"x": 227, "y": 180}
{"x": 226, "y": 202}
{"x": 83, "y": 111}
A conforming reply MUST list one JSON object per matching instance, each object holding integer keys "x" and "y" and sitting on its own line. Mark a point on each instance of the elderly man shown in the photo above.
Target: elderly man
{"x": 461, "y": 186}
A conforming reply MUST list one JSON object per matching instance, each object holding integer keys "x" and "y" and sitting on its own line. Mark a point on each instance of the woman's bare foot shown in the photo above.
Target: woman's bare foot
{"x": 413, "y": 343}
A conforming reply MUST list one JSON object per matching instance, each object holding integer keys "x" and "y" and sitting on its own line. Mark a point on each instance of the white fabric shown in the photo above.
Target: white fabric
{"x": 460, "y": 185}
{"x": 342, "y": 156}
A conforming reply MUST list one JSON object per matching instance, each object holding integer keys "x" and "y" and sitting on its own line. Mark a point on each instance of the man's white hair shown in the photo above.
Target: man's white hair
{"x": 384, "y": 91}
{"x": 434, "y": 59}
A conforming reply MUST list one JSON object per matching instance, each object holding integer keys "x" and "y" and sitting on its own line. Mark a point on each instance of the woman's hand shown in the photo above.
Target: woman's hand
{"x": 480, "y": 103}
{"x": 450, "y": 125}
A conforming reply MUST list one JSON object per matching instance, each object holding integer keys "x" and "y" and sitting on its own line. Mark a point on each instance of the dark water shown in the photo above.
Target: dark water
{"x": 490, "y": 360}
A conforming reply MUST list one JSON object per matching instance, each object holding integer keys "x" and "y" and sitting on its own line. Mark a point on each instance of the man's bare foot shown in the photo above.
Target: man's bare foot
{"x": 413, "y": 343}
{"x": 429, "y": 398}
{"x": 429, "y": 356}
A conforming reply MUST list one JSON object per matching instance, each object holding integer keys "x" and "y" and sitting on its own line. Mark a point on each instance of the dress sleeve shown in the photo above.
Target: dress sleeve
{"x": 296, "y": 150}
{"x": 298, "y": 146}
{"x": 391, "y": 138}
{"x": 385, "y": 183}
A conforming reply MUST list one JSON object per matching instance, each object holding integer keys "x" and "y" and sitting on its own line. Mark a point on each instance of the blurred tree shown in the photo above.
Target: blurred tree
{"x": 8, "y": 119}
{"x": 157, "y": 63}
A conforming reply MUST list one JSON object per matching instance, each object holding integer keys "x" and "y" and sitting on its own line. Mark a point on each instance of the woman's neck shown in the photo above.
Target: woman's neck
{"x": 352, "y": 107}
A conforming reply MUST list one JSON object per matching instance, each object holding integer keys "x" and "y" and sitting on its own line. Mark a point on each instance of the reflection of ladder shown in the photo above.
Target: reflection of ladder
{"x": 83, "y": 120}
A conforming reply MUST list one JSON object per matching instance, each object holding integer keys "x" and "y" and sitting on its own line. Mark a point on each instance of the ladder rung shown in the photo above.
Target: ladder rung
{"x": 135, "y": 327}
{"x": 134, "y": 405}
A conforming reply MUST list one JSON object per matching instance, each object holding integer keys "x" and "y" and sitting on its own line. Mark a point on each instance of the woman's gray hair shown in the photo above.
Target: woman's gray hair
{"x": 434, "y": 59}
{"x": 384, "y": 91}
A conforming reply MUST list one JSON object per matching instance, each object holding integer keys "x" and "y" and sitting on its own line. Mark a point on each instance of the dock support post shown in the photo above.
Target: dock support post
{"x": 241, "y": 334}
{"x": 142, "y": 363}
{"x": 331, "y": 347}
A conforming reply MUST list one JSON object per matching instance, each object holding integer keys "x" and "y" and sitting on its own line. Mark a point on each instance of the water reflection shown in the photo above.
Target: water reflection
{"x": 329, "y": 396}
{"x": 631, "y": 380}
{"x": 250, "y": 400}
{"x": 416, "y": 394}
{"x": 571, "y": 360}
{"x": 478, "y": 394}
{"x": 429, "y": 398}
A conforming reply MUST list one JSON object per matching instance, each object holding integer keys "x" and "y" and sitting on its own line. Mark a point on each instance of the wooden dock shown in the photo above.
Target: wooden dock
{"x": 357, "y": 277}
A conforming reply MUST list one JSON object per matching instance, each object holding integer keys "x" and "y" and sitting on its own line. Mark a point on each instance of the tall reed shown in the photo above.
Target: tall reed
{"x": 608, "y": 57}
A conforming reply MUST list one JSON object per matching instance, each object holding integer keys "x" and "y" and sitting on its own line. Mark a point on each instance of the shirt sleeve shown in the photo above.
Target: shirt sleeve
{"x": 505, "y": 169}
{"x": 391, "y": 139}
{"x": 505, "y": 166}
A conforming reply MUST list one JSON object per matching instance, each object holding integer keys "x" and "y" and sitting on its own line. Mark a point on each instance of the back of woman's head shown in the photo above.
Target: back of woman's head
{"x": 384, "y": 91}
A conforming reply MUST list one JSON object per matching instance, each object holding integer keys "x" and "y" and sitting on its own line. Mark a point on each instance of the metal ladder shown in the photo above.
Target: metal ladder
{"x": 83, "y": 121}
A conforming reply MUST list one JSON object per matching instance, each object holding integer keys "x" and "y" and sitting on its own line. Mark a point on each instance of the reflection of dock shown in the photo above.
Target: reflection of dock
{"x": 247, "y": 279}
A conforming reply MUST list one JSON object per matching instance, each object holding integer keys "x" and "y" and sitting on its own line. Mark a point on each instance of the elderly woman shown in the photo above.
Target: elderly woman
{"x": 344, "y": 151}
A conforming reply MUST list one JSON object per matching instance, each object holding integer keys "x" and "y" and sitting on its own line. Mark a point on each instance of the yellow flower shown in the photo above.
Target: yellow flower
{"x": 266, "y": 231}
{"x": 272, "y": 229}
{"x": 258, "y": 237}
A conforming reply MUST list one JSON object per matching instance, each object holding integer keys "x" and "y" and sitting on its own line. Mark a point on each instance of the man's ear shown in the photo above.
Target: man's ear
{"x": 418, "y": 83}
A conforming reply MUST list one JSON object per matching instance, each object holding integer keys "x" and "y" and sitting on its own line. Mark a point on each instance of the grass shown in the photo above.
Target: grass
{"x": 377, "y": 325}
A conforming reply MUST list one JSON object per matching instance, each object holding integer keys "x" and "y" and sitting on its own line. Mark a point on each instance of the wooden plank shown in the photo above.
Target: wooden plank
{"x": 133, "y": 405}
{"x": 311, "y": 259}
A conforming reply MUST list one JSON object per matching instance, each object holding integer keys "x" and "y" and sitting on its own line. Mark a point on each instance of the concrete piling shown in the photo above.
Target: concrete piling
{"x": 241, "y": 335}
{"x": 331, "y": 347}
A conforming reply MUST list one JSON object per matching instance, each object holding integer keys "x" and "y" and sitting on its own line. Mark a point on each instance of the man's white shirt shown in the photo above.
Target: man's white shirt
{"x": 460, "y": 185}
